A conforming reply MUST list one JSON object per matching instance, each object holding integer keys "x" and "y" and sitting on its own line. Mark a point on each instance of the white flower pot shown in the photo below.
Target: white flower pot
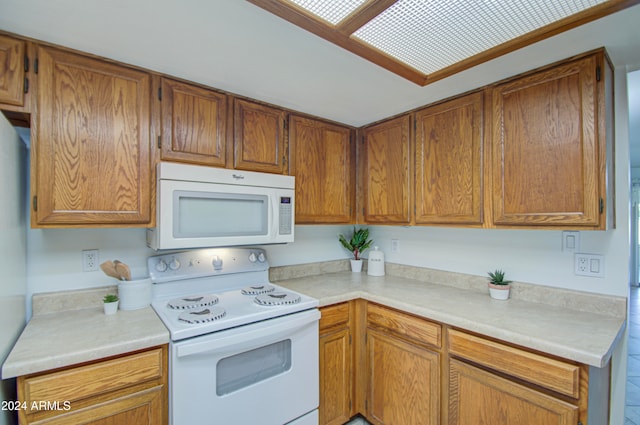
{"x": 499, "y": 292}
{"x": 111, "y": 308}
{"x": 356, "y": 266}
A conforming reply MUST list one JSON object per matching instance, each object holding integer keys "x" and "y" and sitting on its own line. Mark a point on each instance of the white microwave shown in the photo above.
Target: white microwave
{"x": 200, "y": 207}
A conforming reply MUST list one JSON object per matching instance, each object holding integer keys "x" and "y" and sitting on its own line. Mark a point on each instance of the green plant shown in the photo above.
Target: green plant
{"x": 497, "y": 278}
{"x": 358, "y": 242}
{"x": 110, "y": 298}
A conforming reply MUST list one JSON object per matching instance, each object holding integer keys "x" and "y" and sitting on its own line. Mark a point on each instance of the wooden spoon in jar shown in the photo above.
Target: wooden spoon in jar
{"x": 122, "y": 270}
{"x": 110, "y": 269}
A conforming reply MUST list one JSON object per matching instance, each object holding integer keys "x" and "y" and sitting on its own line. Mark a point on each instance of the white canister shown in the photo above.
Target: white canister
{"x": 376, "y": 262}
{"x": 134, "y": 294}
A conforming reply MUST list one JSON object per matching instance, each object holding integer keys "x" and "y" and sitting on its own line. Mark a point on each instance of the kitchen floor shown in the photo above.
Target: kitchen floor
{"x": 632, "y": 408}
{"x": 360, "y": 421}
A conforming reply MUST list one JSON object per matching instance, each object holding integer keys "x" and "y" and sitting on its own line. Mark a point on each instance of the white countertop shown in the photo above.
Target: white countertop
{"x": 60, "y": 339}
{"x": 581, "y": 336}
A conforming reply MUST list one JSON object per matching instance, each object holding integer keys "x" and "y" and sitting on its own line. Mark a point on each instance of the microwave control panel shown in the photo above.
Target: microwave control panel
{"x": 285, "y": 218}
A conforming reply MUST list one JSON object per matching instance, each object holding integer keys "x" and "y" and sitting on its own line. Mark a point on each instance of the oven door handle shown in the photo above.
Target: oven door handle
{"x": 254, "y": 337}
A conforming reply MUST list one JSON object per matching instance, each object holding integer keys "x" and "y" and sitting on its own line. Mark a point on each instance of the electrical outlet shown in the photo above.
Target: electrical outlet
{"x": 589, "y": 265}
{"x": 395, "y": 245}
{"x": 90, "y": 260}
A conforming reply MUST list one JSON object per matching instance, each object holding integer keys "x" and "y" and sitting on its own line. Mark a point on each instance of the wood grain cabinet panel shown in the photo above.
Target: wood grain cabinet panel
{"x": 259, "y": 138}
{"x": 404, "y": 382}
{"x": 90, "y": 157}
{"x": 194, "y": 124}
{"x": 479, "y": 397}
{"x": 449, "y": 154}
{"x": 556, "y": 375}
{"x": 12, "y": 70}
{"x": 548, "y": 142}
{"x": 131, "y": 389}
{"x": 336, "y": 365}
{"x": 387, "y": 167}
{"x": 322, "y": 160}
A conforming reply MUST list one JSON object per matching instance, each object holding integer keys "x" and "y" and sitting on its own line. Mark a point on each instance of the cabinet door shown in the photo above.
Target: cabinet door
{"x": 479, "y": 397}
{"x": 90, "y": 158}
{"x": 387, "y": 172}
{"x": 335, "y": 377}
{"x": 404, "y": 382}
{"x": 449, "y": 162}
{"x": 194, "y": 124}
{"x": 12, "y": 70}
{"x": 547, "y": 169}
{"x": 322, "y": 161}
{"x": 259, "y": 138}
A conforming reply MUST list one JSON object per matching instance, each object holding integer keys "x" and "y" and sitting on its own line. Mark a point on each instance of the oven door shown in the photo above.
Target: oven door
{"x": 263, "y": 373}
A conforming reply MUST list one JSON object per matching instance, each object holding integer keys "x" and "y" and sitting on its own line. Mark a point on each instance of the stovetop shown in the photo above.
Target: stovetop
{"x": 204, "y": 291}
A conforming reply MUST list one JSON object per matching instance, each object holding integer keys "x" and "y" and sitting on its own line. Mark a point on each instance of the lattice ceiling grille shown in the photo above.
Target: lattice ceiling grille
{"x": 426, "y": 40}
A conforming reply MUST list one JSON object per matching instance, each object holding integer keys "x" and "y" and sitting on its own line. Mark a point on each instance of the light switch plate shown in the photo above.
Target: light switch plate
{"x": 570, "y": 241}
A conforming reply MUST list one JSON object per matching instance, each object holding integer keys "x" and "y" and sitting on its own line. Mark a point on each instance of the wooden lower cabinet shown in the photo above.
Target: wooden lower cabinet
{"x": 129, "y": 389}
{"x": 402, "y": 369}
{"x": 403, "y": 382}
{"x": 478, "y": 397}
{"x": 336, "y": 356}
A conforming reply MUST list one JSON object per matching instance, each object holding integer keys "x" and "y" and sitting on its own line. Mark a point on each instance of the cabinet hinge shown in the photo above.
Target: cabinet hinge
{"x": 159, "y": 142}
{"x": 601, "y": 205}
{"x": 598, "y": 73}
{"x": 285, "y": 124}
{"x": 26, "y": 63}
{"x": 366, "y": 405}
{"x": 26, "y": 85}
{"x": 36, "y": 65}
{"x": 159, "y": 93}
{"x": 363, "y": 140}
{"x": 349, "y": 339}
{"x": 35, "y": 203}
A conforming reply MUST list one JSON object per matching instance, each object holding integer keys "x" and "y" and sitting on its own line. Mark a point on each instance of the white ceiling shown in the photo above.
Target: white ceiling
{"x": 235, "y": 46}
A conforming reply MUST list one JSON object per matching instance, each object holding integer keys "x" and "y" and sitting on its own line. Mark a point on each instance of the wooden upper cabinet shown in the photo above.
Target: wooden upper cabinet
{"x": 194, "y": 124}
{"x": 549, "y": 146}
{"x": 259, "y": 137}
{"x": 322, "y": 160}
{"x": 12, "y": 71}
{"x": 387, "y": 172}
{"x": 90, "y": 156}
{"x": 449, "y": 150}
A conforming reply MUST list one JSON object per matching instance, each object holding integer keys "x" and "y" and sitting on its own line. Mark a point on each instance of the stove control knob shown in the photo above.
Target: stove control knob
{"x": 261, "y": 257}
{"x": 252, "y": 257}
{"x": 161, "y": 266}
{"x": 174, "y": 264}
{"x": 217, "y": 263}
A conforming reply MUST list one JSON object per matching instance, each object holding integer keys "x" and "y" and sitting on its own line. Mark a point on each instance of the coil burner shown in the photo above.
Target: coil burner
{"x": 277, "y": 298}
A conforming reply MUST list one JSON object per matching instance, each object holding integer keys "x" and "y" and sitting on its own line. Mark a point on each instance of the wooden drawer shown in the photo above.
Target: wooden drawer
{"x": 555, "y": 375}
{"x": 405, "y": 325}
{"x": 334, "y": 315}
{"x": 94, "y": 379}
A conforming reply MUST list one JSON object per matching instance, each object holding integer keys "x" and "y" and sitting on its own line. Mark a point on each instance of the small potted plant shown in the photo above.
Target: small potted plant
{"x": 356, "y": 244}
{"x": 498, "y": 287}
{"x": 110, "y": 304}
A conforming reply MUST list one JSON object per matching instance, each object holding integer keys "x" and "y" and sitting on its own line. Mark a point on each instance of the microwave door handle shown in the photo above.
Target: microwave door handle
{"x": 249, "y": 339}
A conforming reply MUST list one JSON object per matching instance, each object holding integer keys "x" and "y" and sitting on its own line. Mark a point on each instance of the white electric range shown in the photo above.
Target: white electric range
{"x": 236, "y": 339}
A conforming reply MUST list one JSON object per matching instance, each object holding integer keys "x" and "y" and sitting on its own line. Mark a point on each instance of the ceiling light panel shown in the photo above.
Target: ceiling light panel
{"x": 430, "y": 35}
{"x": 330, "y": 10}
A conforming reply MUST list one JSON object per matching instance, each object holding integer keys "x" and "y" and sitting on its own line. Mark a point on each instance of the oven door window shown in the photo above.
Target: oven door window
{"x": 247, "y": 368}
{"x": 219, "y": 214}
